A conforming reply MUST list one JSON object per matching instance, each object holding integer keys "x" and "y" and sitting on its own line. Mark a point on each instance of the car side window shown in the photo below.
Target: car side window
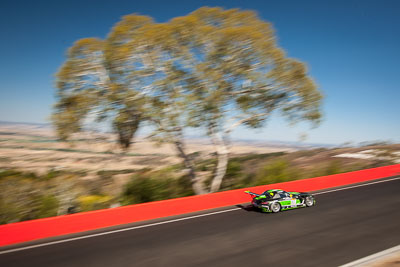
{"x": 284, "y": 195}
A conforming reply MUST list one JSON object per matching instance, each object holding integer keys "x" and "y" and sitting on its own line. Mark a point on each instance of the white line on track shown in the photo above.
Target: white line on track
{"x": 354, "y": 186}
{"x": 169, "y": 221}
{"x": 373, "y": 258}
{"x": 116, "y": 231}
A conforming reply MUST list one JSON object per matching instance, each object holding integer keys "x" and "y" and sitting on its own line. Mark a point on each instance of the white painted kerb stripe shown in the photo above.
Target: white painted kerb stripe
{"x": 372, "y": 258}
{"x": 169, "y": 221}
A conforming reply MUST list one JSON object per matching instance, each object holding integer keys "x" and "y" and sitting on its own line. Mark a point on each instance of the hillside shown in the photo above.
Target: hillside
{"x": 42, "y": 177}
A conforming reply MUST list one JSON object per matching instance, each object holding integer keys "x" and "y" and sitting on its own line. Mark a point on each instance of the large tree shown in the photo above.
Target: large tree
{"x": 213, "y": 69}
{"x": 236, "y": 75}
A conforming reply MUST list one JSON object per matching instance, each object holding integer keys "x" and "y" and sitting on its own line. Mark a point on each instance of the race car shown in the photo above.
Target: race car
{"x": 275, "y": 200}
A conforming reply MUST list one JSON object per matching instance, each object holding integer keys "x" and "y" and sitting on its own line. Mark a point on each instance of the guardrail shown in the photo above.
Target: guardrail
{"x": 68, "y": 224}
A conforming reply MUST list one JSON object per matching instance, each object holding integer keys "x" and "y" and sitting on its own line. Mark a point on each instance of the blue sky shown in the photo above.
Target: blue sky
{"x": 351, "y": 48}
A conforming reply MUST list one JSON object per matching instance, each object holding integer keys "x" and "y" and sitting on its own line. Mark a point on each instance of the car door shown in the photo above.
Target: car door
{"x": 286, "y": 201}
{"x": 295, "y": 201}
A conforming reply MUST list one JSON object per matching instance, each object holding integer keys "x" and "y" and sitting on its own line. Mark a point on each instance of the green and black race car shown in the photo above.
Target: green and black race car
{"x": 275, "y": 200}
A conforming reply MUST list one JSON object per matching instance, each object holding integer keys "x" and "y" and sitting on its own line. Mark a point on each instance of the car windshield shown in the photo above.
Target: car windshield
{"x": 268, "y": 195}
{"x": 273, "y": 195}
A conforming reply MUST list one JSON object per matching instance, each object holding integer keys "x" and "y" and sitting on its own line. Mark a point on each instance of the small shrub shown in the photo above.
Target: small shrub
{"x": 333, "y": 168}
{"x": 8, "y": 213}
{"x": 259, "y": 156}
{"x": 275, "y": 172}
{"x": 152, "y": 186}
{"x": 51, "y": 174}
{"x": 5, "y": 173}
{"x": 48, "y": 207}
{"x": 94, "y": 202}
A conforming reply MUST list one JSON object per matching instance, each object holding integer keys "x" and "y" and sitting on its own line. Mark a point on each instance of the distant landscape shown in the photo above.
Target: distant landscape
{"x": 41, "y": 176}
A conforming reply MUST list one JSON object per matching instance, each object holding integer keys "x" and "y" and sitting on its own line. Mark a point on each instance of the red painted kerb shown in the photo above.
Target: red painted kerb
{"x": 85, "y": 221}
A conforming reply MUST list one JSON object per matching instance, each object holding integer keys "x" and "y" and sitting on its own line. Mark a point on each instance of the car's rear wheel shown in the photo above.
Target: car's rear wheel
{"x": 309, "y": 201}
{"x": 275, "y": 207}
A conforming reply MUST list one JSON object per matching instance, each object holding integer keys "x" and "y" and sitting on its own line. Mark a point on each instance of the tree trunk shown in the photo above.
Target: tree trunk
{"x": 196, "y": 184}
{"x": 222, "y": 159}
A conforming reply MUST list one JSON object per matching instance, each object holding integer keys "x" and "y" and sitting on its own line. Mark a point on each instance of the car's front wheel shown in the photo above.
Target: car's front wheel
{"x": 275, "y": 207}
{"x": 309, "y": 201}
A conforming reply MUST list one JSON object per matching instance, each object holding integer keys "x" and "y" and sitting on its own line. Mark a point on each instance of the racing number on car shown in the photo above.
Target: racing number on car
{"x": 293, "y": 202}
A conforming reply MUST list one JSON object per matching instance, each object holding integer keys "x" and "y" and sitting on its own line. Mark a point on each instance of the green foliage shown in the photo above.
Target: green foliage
{"x": 11, "y": 173}
{"x": 48, "y": 206}
{"x": 109, "y": 173}
{"x": 233, "y": 169}
{"x": 126, "y": 124}
{"x": 152, "y": 186}
{"x": 333, "y": 168}
{"x": 27, "y": 205}
{"x": 259, "y": 156}
{"x": 94, "y": 202}
{"x": 8, "y": 213}
{"x": 274, "y": 172}
{"x": 27, "y": 196}
{"x": 52, "y": 174}
{"x": 7, "y": 173}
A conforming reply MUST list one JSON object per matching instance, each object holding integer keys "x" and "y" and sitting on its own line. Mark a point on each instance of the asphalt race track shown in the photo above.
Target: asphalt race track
{"x": 344, "y": 226}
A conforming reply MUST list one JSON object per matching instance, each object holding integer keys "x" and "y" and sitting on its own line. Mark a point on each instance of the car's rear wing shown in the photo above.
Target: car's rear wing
{"x": 252, "y": 194}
